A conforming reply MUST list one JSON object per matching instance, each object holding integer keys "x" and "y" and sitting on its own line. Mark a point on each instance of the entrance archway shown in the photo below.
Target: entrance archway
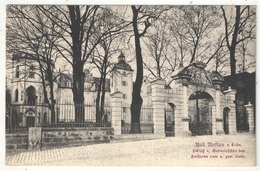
{"x": 169, "y": 119}
{"x": 30, "y": 118}
{"x": 200, "y": 113}
{"x": 225, "y": 120}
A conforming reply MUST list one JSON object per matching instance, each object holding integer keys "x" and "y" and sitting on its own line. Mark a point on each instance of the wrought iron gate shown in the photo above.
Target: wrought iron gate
{"x": 169, "y": 122}
{"x": 200, "y": 112}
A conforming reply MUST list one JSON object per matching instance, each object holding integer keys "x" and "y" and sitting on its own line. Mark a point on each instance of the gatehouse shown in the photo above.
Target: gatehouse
{"x": 199, "y": 105}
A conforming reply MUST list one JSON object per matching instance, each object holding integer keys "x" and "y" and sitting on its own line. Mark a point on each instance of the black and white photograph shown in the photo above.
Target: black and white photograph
{"x": 170, "y": 85}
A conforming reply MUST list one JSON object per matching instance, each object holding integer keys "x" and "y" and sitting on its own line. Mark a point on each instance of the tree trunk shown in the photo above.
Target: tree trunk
{"x": 53, "y": 102}
{"x": 233, "y": 67}
{"x": 98, "y": 116}
{"x": 103, "y": 80}
{"x": 232, "y": 48}
{"x": 77, "y": 64}
{"x": 136, "y": 95}
{"x": 103, "y": 94}
{"x": 78, "y": 92}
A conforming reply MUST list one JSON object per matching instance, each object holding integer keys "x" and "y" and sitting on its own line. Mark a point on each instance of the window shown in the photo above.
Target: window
{"x": 124, "y": 109}
{"x": 31, "y": 71}
{"x": 124, "y": 96}
{"x": 124, "y": 83}
{"x": 68, "y": 83}
{"x": 17, "y": 72}
{"x": 16, "y": 95}
{"x": 30, "y": 92}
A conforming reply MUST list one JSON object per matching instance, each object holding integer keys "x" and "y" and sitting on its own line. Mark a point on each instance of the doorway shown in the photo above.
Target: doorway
{"x": 200, "y": 113}
{"x": 169, "y": 119}
{"x": 30, "y": 121}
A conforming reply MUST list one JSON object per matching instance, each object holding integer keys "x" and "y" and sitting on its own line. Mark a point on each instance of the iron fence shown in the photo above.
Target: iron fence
{"x": 19, "y": 117}
{"x": 146, "y": 120}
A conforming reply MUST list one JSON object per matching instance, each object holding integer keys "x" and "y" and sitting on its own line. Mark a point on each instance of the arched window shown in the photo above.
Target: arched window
{"x": 16, "y": 95}
{"x": 17, "y": 72}
{"x": 31, "y": 71}
{"x": 30, "y": 92}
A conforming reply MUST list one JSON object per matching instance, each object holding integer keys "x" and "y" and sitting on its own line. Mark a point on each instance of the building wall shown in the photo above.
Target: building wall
{"x": 122, "y": 80}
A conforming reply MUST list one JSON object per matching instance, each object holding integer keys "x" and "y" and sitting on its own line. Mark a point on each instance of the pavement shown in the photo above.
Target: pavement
{"x": 217, "y": 150}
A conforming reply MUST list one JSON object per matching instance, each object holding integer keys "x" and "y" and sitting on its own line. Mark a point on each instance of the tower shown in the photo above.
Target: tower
{"x": 122, "y": 79}
{"x": 26, "y": 91}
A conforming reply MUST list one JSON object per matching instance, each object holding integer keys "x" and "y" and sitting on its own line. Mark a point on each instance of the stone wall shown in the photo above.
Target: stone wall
{"x": 75, "y": 136}
{"x": 60, "y": 137}
{"x": 16, "y": 142}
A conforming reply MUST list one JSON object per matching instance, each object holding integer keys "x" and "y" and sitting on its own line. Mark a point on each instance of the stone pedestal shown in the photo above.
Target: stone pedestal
{"x": 250, "y": 117}
{"x": 158, "y": 101}
{"x": 230, "y": 96}
{"x": 116, "y": 113}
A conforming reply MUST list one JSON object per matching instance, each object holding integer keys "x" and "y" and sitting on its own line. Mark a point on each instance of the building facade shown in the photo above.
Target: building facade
{"x": 194, "y": 103}
{"x": 27, "y": 93}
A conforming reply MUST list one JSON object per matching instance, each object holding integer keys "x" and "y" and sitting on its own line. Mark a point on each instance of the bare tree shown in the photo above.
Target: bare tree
{"x": 102, "y": 61}
{"x": 141, "y": 15}
{"x": 191, "y": 29}
{"x": 28, "y": 38}
{"x": 79, "y": 40}
{"x": 239, "y": 27}
{"x": 161, "y": 61}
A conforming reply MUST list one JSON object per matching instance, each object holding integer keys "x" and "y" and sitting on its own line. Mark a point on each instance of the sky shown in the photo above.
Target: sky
{"x": 130, "y": 54}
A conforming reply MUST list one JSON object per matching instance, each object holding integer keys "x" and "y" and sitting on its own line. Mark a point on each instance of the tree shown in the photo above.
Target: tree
{"x": 79, "y": 40}
{"x": 143, "y": 15}
{"x": 191, "y": 28}
{"x": 161, "y": 61}
{"x": 239, "y": 27}
{"x": 102, "y": 61}
{"x": 28, "y": 38}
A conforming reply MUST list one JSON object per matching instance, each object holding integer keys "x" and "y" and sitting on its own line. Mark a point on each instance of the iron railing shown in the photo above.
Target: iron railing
{"x": 146, "y": 120}
{"x": 19, "y": 117}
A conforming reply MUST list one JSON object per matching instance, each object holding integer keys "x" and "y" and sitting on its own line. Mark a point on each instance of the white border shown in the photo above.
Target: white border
{"x": 3, "y": 3}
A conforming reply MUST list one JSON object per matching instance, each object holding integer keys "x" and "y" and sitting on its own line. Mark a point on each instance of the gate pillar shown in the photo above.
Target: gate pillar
{"x": 185, "y": 117}
{"x": 181, "y": 116}
{"x": 116, "y": 113}
{"x": 158, "y": 101}
{"x": 250, "y": 117}
{"x": 219, "y": 118}
{"x": 230, "y": 96}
